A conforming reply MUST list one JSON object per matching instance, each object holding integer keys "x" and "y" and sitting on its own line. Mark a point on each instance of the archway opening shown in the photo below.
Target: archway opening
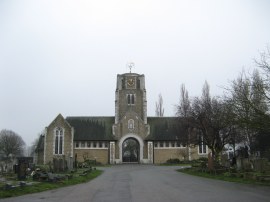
{"x": 130, "y": 151}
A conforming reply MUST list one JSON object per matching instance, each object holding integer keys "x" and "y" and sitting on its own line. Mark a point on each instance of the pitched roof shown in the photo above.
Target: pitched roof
{"x": 59, "y": 116}
{"x": 92, "y": 128}
{"x": 100, "y": 128}
{"x": 165, "y": 128}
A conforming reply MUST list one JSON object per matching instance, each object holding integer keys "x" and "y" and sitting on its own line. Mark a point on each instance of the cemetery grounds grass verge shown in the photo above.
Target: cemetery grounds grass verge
{"x": 223, "y": 177}
{"x": 44, "y": 186}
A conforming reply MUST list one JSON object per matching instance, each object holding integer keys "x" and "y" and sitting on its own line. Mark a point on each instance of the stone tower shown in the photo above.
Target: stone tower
{"x": 131, "y": 116}
{"x": 130, "y": 96}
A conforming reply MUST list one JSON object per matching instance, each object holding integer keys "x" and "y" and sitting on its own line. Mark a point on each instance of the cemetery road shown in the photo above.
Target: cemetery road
{"x": 139, "y": 183}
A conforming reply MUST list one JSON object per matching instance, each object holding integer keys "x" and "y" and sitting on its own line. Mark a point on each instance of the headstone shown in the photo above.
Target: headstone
{"x": 22, "y": 167}
{"x": 239, "y": 163}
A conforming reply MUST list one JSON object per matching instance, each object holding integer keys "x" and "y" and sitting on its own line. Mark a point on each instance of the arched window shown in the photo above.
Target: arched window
{"x": 58, "y": 143}
{"x": 130, "y": 124}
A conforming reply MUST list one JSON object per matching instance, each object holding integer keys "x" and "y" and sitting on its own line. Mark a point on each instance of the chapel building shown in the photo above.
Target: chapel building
{"x": 128, "y": 137}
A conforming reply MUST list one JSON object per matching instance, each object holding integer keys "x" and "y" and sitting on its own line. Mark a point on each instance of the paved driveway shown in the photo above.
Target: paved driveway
{"x": 139, "y": 183}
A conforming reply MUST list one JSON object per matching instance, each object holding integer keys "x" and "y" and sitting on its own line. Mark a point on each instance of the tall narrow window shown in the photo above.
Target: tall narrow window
{"x": 58, "y": 144}
{"x": 202, "y": 145}
{"x": 131, "y": 99}
{"x": 128, "y": 99}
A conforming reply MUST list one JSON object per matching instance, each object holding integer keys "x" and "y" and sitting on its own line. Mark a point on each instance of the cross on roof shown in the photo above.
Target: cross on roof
{"x": 130, "y": 65}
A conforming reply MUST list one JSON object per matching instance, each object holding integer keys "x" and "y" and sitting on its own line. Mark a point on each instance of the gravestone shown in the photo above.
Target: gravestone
{"x": 24, "y": 163}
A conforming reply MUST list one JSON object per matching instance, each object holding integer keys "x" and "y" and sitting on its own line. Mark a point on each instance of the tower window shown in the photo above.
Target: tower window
{"x": 58, "y": 143}
{"x": 131, "y": 99}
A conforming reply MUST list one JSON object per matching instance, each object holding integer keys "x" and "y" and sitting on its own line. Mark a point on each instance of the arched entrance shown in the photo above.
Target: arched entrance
{"x": 130, "y": 151}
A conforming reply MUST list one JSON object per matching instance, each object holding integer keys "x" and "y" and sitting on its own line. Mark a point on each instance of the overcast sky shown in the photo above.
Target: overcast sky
{"x": 64, "y": 56}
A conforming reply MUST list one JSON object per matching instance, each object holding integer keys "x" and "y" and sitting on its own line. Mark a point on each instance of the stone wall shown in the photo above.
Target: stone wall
{"x": 123, "y": 89}
{"x": 137, "y": 107}
{"x": 50, "y": 135}
{"x": 145, "y": 150}
{"x": 40, "y": 158}
{"x": 101, "y": 155}
{"x": 121, "y": 129}
{"x": 161, "y": 155}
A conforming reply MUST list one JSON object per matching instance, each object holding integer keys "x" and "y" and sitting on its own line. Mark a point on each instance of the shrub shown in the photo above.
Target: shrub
{"x": 42, "y": 167}
{"x": 203, "y": 159}
{"x": 173, "y": 161}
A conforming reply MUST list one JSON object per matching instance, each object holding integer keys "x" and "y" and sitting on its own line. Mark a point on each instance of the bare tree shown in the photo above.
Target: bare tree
{"x": 33, "y": 147}
{"x": 264, "y": 65}
{"x": 250, "y": 107}
{"x": 213, "y": 119}
{"x": 11, "y": 144}
{"x": 261, "y": 82}
{"x": 249, "y": 94}
{"x": 186, "y": 127}
{"x": 183, "y": 109}
{"x": 159, "y": 106}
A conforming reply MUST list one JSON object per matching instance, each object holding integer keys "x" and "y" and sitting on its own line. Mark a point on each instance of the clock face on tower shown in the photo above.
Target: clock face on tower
{"x": 131, "y": 82}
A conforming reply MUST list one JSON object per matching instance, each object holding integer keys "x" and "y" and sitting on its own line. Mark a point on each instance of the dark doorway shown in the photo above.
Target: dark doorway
{"x": 130, "y": 151}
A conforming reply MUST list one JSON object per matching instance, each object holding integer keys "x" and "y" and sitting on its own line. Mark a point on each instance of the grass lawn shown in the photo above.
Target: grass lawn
{"x": 224, "y": 177}
{"x": 44, "y": 186}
